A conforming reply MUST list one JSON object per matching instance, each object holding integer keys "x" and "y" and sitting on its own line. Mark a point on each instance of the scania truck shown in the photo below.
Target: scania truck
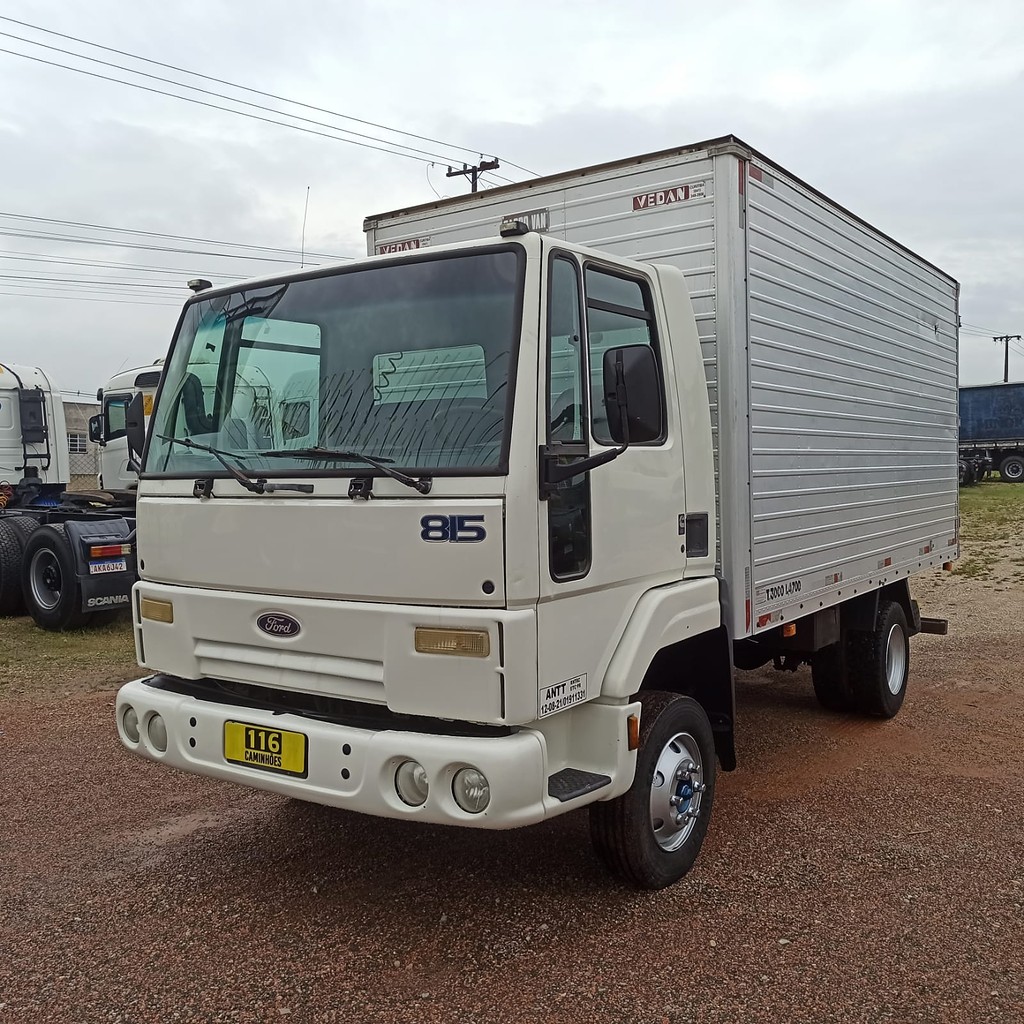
{"x": 558, "y": 459}
{"x": 65, "y": 558}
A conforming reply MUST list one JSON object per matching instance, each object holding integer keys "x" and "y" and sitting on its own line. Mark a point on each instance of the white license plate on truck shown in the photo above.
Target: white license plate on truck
{"x": 108, "y": 565}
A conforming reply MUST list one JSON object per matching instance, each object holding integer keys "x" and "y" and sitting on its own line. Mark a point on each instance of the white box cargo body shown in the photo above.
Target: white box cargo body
{"x": 830, "y": 352}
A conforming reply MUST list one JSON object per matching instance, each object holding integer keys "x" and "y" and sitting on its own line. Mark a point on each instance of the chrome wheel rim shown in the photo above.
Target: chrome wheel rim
{"x": 895, "y": 659}
{"x": 677, "y": 789}
{"x": 45, "y": 579}
{"x": 1014, "y": 470}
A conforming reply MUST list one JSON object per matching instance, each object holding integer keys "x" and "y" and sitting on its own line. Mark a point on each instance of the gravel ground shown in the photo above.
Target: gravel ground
{"x": 854, "y": 871}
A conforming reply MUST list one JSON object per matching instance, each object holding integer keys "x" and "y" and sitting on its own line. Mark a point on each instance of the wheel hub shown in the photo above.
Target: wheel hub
{"x": 45, "y": 579}
{"x": 676, "y": 790}
{"x": 895, "y": 659}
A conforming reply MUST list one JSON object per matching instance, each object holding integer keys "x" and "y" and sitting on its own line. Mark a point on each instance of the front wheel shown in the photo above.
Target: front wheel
{"x": 651, "y": 835}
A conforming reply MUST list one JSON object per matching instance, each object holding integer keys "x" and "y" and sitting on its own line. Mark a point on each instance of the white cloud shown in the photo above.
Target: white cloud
{"x": 906, "y": 112}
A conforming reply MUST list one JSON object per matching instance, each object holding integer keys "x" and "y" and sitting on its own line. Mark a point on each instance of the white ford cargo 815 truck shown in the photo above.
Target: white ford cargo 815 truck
{"x": 538, "y": 492}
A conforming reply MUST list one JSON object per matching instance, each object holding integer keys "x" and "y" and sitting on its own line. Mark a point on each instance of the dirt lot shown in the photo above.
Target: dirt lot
{"x": 854, "y": 871}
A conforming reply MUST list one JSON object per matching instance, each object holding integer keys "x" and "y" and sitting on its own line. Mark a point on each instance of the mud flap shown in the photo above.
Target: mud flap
{"x": 103, "y": 588}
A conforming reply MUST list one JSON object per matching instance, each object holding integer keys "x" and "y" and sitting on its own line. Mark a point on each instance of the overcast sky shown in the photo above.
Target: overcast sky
{"x": 908, "y": 113}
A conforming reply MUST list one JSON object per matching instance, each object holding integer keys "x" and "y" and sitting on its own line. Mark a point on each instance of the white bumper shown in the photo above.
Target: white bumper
{"x": 362, "y": 779}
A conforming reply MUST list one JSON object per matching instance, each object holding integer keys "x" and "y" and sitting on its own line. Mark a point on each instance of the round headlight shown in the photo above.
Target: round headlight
{"x": 471, "y": 790}
{"x": 130, "y": 724}
{"x": 411, "y": 783}
{"x": 158, "y": 733}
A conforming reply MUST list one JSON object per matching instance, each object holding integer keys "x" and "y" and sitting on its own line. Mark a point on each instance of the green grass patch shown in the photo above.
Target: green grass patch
{"x": 991, "y": 528}
{"x": 32, "y": 658}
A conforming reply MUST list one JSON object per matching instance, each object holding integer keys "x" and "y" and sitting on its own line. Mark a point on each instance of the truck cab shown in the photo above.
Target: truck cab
{"x": 452, "y": 574}
{"x": 34, "y": 460}
{"x": 108, "y": 429}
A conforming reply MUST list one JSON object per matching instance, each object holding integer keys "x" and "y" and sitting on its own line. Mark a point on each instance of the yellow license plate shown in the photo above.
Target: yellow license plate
{"x": 269, "y": 750}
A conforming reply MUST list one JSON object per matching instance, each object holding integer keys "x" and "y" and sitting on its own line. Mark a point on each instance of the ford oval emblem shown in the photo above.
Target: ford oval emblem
{"x": 278, "y": 624}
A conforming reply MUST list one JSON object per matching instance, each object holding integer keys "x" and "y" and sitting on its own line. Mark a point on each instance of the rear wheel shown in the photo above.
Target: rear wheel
{"x": 879, "y": 663}
{"x": 50, "y": 582}
{"x": 1011, "y": 469}
{"x": 651, "y": 835}
{"x": 14, "y": 534}
{"x": 831, "y": 679}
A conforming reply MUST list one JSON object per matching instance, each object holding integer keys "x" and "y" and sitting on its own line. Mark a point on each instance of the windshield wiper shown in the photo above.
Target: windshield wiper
{"x": 257, "y": 486}
{"x": 421, "y": 484}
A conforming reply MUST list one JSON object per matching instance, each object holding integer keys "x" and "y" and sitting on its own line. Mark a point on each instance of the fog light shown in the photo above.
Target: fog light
{"x": 158, "y": 733}
{"x": 130, "y": 723}
{"x": 471, "y": 790}
{"x": 411, "y": 783}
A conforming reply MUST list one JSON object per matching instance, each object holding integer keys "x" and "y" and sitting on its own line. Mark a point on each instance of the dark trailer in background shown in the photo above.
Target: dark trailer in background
{"x": 992, "y": 428}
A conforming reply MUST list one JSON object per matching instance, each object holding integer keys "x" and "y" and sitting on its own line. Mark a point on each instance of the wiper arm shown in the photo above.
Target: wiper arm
{"x": 421, "y": 484}
{"x": 259, "y": 486}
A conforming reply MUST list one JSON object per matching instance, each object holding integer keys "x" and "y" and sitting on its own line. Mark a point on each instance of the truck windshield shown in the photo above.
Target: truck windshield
{"x": 406, "y": 362}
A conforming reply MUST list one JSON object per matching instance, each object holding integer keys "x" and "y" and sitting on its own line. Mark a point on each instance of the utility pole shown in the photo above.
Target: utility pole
{"x": 473, "y": 173}
{"x": 1005, "y": 339}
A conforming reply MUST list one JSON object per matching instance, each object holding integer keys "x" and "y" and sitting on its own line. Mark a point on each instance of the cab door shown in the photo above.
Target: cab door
{"x": 610, "y": 534}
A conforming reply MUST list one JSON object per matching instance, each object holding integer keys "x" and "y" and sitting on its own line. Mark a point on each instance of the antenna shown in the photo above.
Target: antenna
{"x": 302, "y": 244}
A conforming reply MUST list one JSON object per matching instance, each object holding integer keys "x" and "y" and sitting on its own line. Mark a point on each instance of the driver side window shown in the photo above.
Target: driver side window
{"x": 568, "y": 504}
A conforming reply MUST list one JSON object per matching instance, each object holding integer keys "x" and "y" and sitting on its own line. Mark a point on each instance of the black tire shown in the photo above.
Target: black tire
{"x": 879, "y": 663}
{"x": 14, "y": 534}
{"x": 11, "y": 551}
{"x": 1011, "y": 469}
{"x": 831, "y": 678}
{"x": 50, "y": 581}
{"x": 650, "y": 852}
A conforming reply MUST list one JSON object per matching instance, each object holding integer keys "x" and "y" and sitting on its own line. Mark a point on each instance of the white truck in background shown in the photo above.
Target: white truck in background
{"x": 568, "y": 452}
{"x": 107, "y": 428}
{"x": 35, "y": 466}
{"x": 65, "y": 558}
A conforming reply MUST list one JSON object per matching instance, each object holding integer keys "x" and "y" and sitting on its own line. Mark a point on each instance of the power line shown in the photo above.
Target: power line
{"x": 211, "y": 106}
{"x": 161, "y": 234}
{"x": 88, "y": 280}
{"x": 83, "y": 298}
{"x": 256, "y": 92}
{"x": 987, "y": 332}
{"x": 49, "y": 259}
{"x": 85, "y": 288}
{"x": 206, "y": 92}
{"x": 81, "y": 240}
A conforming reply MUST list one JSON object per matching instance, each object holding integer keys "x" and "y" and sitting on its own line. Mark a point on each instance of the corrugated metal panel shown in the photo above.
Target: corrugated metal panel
{"x": 853, "y": 369}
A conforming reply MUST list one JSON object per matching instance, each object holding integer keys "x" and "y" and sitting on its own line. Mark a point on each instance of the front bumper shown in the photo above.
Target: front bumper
{"x": 362, "y": 779}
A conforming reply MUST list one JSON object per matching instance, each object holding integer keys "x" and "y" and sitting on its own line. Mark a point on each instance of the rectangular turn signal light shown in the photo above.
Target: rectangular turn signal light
{"x": 464, "y": 643}
{"x": 157, "y": 611}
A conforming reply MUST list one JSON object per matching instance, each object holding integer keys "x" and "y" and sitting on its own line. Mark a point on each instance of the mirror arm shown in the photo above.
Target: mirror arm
{"x": 555, "y": 473}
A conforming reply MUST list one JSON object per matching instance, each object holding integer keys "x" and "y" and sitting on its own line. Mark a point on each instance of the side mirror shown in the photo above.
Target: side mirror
{"x": 96, "y": 429}
{"x": 632, "y": 393}
{"x": 135, "y": 426}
